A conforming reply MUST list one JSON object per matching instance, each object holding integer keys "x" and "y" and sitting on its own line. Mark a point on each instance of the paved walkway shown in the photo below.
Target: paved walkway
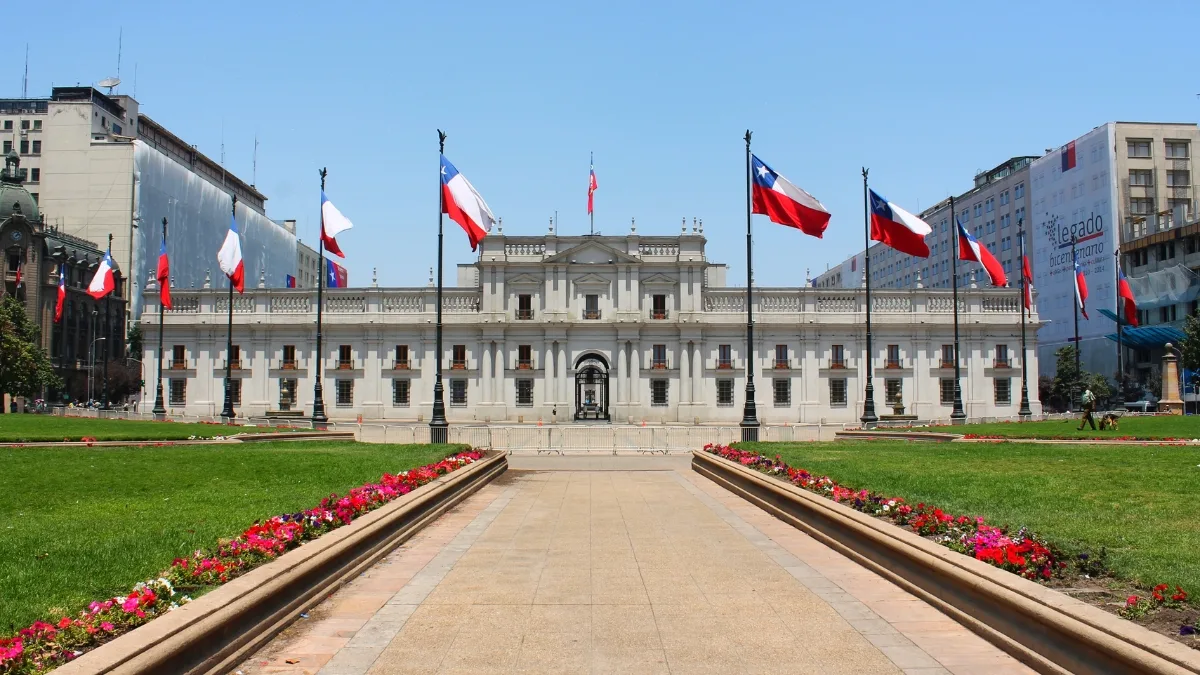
{"x": 619, "y": 571}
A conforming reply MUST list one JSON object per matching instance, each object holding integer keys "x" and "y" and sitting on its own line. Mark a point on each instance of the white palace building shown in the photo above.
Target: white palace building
{"x": 621, "y": 329}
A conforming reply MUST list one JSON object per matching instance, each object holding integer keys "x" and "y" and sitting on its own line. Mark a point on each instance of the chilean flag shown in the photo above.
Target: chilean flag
{"x": 784, "y": 203}
{"x": 289, "y": 281}
{"x": 1027, "y": 271}
{"x": 898, "y": 228}
{"x": 1125, "y": 294}
{"x": 164, "y": 276}
{"x": 333, "y": 223}
{"x": 230, "y": 257}
{"x": 969, "y": 249}
{"x": 103, "y": 283}
{"x": 461, "y": 201}
{"x": 1080, "y": 289}
{"x": 20, "y": 270}
{"x": 62, "y": 293}
{"x": 592, "y": 185}
{"x": 335, "y": 275}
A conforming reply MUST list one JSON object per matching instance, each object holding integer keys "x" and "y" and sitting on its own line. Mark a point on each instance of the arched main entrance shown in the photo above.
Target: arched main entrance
{"x": 591, "y": 388}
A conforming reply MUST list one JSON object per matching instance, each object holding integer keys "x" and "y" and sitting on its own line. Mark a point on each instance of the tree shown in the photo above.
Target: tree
{"x": 1190, "y": 344}
{"x": 25, "y": 368}
{"x": 134, "y": 342}
{"x": 1067, "y": 377}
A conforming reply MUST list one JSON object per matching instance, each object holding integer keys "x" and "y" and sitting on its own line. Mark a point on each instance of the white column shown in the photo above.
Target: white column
{"x": 621, "y": 388}
{"x": 501, "y": 370}
{"x": 698, "y": 394}
{"x": 549, "y": 389}
{"x": 685, "y": 381}
{"x": 486, "y": 373}
{"x": 561, "y": 373}
{"x": 635, "y": 374}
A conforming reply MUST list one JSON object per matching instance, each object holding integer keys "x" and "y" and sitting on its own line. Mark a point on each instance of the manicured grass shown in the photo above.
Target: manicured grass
{"x": 1173, "y": 426}
{"x": 1137, "y": 502}
{"x": 82, "y": 524}
{"x": 30, "y": 428}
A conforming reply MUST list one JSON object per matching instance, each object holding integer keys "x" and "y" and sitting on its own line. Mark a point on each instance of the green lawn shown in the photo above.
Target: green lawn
{"x": 82, "y": 524}
{"x": 1138, "y": 502}
{"x": 29, "y": 428}
{"x": 1174, "y": 426}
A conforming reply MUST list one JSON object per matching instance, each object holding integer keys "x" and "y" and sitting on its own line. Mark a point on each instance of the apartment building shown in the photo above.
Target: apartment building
{"x": 97, "y": 166}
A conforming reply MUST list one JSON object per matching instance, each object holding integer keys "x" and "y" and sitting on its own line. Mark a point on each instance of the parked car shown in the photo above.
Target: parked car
{"x": 1147, "y": 403}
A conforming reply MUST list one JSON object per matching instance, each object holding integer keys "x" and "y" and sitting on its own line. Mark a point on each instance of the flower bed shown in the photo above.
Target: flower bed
{"x": 1020, "y": 552}
{"x": 45, "y": 645}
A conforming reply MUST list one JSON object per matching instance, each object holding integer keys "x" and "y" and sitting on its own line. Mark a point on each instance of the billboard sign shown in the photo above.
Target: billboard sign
{"x": 1073, "y": 196}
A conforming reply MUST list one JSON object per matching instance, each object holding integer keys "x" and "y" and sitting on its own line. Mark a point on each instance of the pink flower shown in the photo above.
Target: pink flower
{"x": 130, "y": 604}
{"x": 106, "y": 626}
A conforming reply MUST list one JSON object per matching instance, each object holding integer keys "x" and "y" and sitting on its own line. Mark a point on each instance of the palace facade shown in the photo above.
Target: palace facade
{"x": 613, "y": 329}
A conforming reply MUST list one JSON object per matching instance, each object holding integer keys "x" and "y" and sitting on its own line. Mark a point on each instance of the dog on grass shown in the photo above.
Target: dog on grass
{"x": 1110, "y": 422}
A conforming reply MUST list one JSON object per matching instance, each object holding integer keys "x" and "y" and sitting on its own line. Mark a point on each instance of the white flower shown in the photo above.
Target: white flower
{"x": 887, "y": 507}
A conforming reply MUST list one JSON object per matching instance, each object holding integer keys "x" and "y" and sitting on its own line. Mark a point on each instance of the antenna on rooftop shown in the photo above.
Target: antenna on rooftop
{"x": 254, "y": 175}
{"x": 109, "y": 83}
{"x": 120, "y": 39}
{"x": 25, "y": 84}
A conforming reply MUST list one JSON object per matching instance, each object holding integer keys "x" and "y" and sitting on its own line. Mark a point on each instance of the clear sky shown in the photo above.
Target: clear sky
{"x": 924, "y": 93}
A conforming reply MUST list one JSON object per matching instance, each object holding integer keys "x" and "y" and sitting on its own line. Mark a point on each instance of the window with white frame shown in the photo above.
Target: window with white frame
{"x": 1003, "y": 390}
{"x": 947, "y": 390}
{"x": 782, "y": 387}
{"x": 837, "y": 391}
{"x": 524, "y": 393}
{"x": 345, "y": 393}
{"x": 401, "y": 393}
{"x": 724, "y": 393}
{"x": 178, "y": 387}
{"x": 458, "y": 393}
{"x": 658, "y": 392}
{"x": 893, "y": 390}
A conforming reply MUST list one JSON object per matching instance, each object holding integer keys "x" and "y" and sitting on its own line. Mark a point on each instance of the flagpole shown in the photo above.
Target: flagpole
{"x": 62, "y": 331}
{"x": 160, "y": 411}
{"x": 438, "y": 426}
{"x": 319, "y": 420}
{"x": 958, "y": 414}
{"x": 227, "y": 411}
{"x": 869, "y": 418}
{"x": 749, "y": 413}
{"x": 107, "y": 332}
{"x": 1078, "y": 374}
{"x": 591, "y": 198}
{"x": 1119, "y": 314}
{"x": 1024, "y": 412}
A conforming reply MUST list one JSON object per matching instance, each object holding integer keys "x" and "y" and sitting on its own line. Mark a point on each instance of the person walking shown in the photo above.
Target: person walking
{"x": 1089, "y": 406}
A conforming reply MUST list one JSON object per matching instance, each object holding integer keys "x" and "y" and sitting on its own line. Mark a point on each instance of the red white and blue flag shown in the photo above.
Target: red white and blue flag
{"x": 1081, "y": 292}
{"x": 970, "y": 249}
{"x": 898, "y": 228}
{"x": 20, "y": 272}
{"x": 164, "y": 276}
{"x": 1125, "y": 296}
{"x": 333, "y": 223}
{"x": 290, "y": 281}
{"x": 336, "y": 276}
{"x": 592, "y": 185}
{"x": 462, "y": 202}
{"x": 1027, "y": 271}
{"x": 62, "y": 293}
{"x": 1068, "y": 156}
{"x": 230, "y": 257}
{"x": 103, "y": 283}
{"x": 778, "y": 199}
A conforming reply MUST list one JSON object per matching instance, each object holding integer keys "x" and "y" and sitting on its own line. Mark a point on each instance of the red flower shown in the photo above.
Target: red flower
{"x": 1131, "y": 601}
{"x": 1180, "y": 595}
{"x": 64, "y": 622}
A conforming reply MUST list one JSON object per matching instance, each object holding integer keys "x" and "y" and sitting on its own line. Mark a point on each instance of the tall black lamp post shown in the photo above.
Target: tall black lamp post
{"x": 439, "y": 428}
{"x": 160, "y": 410}
{"x": 749, "y": 412}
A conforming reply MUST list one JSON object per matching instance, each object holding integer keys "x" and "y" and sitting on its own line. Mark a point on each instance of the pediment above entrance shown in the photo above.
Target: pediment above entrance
{"x": 591, "y": 253}
{"x": 524, "y": 280}
{"x": 591, "y": 280}
{"x": 658, "y": 280}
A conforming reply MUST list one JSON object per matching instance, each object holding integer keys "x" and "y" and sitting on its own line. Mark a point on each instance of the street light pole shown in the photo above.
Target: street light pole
{"x": 1025, "y": 412}
{"x": 439, "y": 428}
{"x": 160, "y": 411}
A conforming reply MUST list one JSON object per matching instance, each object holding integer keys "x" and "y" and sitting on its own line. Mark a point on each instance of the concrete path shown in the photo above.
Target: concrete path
{"x": 608, "y": 570}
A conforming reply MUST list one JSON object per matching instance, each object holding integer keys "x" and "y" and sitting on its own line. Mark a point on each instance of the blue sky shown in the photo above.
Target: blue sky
{"x": 925, "y": 94}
